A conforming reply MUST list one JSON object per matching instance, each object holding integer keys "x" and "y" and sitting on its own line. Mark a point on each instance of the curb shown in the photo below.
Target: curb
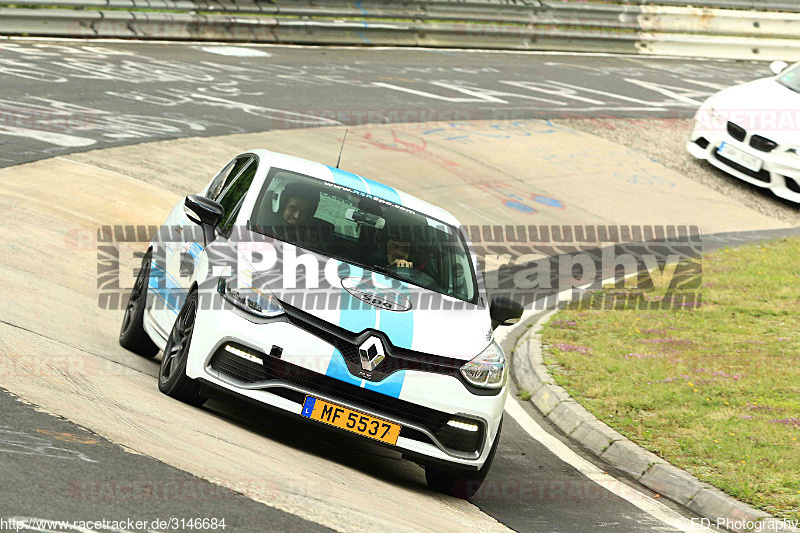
{"x": 645, "y": 467}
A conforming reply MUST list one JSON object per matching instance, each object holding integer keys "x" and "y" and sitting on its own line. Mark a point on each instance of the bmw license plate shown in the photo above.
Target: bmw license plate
{"x": 350, "y": 420}
{"x": 748, "y": 161}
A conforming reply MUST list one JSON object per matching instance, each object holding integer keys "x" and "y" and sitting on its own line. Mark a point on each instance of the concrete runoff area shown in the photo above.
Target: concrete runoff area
{"x": 510, "y": 172}
{"x": 64, "y": 347}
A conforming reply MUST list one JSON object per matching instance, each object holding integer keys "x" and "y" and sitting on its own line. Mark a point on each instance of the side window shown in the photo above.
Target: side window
{"x": 226, "y": 176}
{"x": 233, "y": 198}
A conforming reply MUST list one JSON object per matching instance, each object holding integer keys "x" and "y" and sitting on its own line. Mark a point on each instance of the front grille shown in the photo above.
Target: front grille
{"x": 762, "y": 143}
{"x": 347, "y": 343}
{"x": 761, "y": 175}
{"x": 736, "y": 131}
{"x": 792, "y": 184}
{"x": 245, "y": 371}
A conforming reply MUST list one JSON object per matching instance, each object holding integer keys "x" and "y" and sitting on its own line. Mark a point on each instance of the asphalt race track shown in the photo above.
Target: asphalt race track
{"x": 95, "y": 134}
{"x": 64, "y": 97}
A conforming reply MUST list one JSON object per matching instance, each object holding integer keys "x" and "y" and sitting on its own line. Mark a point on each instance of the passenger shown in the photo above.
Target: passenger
{"x": 298, "y": 203}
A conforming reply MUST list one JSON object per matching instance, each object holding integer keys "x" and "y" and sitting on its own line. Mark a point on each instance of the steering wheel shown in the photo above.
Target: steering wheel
{"x": 415, "y": 276}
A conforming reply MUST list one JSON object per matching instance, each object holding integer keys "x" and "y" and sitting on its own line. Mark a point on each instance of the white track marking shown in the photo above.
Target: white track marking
{"x": 234, "y": 51}
{"x": 59, "y": 139}
{"x": 430, "y": 95}
{"x": 656, "y": 509}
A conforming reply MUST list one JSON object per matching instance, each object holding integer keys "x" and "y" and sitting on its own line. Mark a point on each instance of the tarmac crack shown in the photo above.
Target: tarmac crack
{"x": 38, "y": 334}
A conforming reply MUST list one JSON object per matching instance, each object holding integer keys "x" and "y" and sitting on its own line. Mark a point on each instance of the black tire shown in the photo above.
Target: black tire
{"x": 172, "y": 379}
{"x": 132, "y": 335}
{"x": 461, "y": 484}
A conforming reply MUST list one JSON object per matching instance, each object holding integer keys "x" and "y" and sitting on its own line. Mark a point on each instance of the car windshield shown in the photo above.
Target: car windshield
{"x": 366, "y": 231}
{"x": 791, "y": 78}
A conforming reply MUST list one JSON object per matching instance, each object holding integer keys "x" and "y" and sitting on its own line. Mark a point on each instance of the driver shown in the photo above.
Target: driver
{"x": 397, "y": 253}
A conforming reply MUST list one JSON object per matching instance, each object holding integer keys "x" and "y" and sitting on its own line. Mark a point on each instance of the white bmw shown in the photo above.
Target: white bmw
{"x": 752, "y": 131}
{"x": 344, "y": 301}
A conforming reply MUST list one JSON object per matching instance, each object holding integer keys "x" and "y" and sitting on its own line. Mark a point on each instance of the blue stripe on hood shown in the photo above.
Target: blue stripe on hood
{"x": 356, "y": 317}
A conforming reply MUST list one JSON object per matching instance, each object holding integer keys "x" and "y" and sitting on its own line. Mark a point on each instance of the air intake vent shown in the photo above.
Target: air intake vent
{"x": 736, "y": 131}
{"x": 792, "y": 185}
{"x": 762, "y": 143}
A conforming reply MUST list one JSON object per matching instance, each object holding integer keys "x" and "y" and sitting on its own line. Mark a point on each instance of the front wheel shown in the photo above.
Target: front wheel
{"x": 462, "y": 484}
{"x": 172, "y": 378}
{"x": 132, "y": 335}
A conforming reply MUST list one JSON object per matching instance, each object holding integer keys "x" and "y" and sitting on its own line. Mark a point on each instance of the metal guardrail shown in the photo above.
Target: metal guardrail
{"x": 630, "y": 27}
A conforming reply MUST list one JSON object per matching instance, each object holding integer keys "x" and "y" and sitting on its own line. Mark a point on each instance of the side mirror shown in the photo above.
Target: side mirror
{"x": 778, "y": 66}
{"x": 504, "y": 311}
{"x": 207, "y": 213}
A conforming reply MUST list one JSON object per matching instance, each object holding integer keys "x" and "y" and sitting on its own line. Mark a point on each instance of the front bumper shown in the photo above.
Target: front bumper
{"x": 303, "y": 364}
{"x": 780, "y": 172}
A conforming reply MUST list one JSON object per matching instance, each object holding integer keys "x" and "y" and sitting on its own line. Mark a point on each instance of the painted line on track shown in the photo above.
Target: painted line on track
{"x": 649, "y": 505}
{"x": 654, "y": 508}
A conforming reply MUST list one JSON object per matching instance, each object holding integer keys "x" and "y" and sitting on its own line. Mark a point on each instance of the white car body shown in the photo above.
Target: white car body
{"x": 752, "y": 131}
{"x": 307, "y": 352}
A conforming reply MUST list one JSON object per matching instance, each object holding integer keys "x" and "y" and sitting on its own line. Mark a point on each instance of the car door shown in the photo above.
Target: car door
{"x": 222, "y": 252}
{"x": 180, "y": 258}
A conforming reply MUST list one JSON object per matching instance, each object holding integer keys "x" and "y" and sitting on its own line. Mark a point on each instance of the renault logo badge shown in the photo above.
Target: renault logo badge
{"x": 371, "y": 352}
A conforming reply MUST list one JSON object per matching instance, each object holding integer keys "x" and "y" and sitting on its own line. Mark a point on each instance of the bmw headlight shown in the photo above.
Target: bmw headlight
{"x": 795, "y": 151}
{"x": 487, "y": 370}
{"x": 254, "y": 301}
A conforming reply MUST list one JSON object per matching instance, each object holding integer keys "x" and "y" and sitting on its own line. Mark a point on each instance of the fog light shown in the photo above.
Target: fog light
{"x": 462, "y": 425}
{"x": 244, "y": 355}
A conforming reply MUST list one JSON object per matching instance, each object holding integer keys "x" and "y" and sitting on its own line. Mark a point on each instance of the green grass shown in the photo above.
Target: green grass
{"x": 713, "y": 390}
{"x": 524, "y": 395}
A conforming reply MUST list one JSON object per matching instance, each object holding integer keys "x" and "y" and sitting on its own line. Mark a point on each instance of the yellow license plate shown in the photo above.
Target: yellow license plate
{"x": 350, "y": 420}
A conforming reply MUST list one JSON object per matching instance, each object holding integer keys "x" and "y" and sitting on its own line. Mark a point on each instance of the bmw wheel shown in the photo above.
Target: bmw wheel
{"x": 172, "y": 379}
{"x": 132, "y": 335}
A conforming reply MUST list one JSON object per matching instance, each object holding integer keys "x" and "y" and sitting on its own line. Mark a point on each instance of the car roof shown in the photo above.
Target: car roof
{"x": 354, "y": 181}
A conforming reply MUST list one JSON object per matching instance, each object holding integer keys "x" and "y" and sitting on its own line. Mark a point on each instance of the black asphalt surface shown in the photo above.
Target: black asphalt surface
{"x": 59, "y": 98}
{"x": 63, "y": 97}
{"x": 52, "y": 469}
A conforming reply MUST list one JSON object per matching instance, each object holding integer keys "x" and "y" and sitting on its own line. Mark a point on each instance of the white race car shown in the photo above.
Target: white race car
{"x": 344, "y": 301}
{"x": 752, "y": 131}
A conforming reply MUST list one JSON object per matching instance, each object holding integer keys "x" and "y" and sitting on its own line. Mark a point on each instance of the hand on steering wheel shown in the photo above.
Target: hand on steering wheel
{"x": 401, "y": 263}
{"x": 409, "y": 273}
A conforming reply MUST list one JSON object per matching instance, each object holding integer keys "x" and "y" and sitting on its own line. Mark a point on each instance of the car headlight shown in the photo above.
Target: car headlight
{"x": 795, "y": 151}
{"x": 487, "y": 370}
{"x": 253, "y": 301}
